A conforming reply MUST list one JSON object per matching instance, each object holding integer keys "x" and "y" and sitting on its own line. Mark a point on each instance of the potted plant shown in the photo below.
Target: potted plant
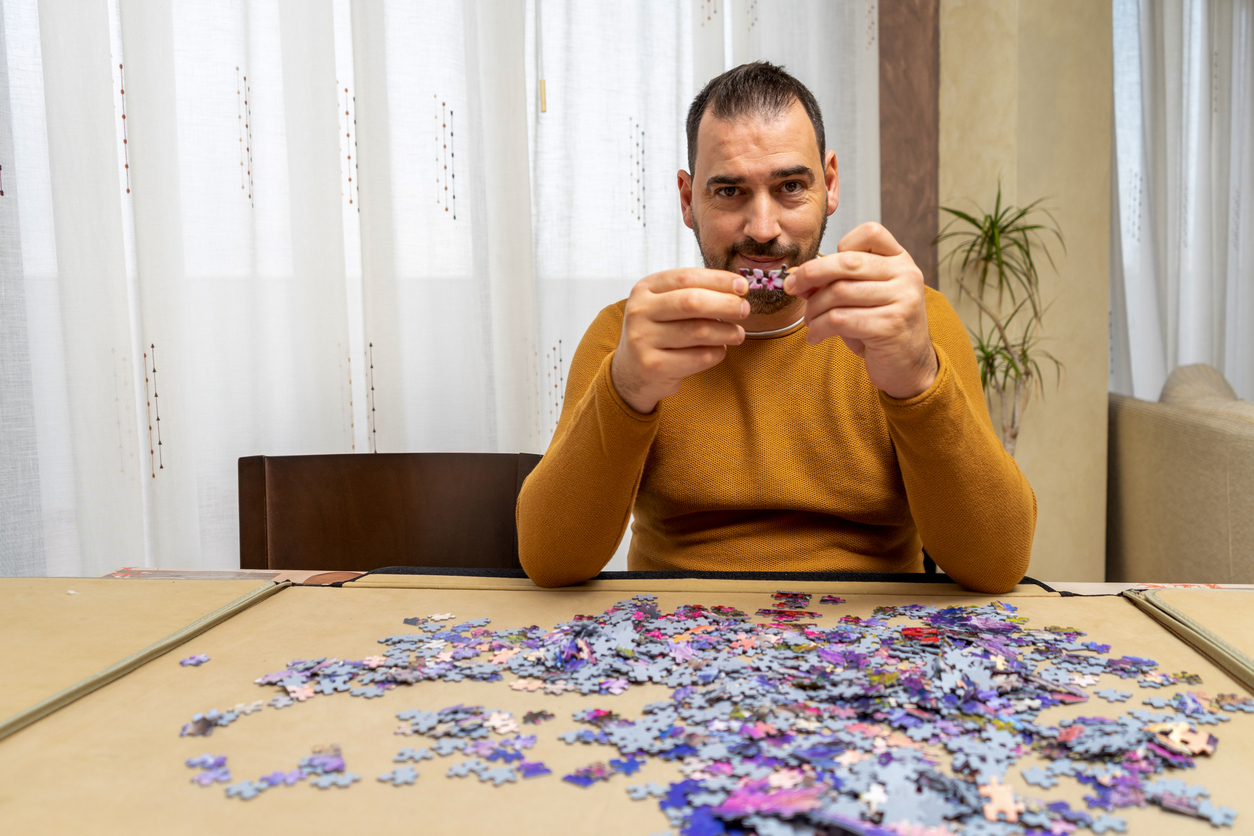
{"x": 994, "y": 264}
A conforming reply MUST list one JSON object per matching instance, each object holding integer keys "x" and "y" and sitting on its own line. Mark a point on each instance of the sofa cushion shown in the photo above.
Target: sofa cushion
{"x": 1202, "y": 387}
{"x": 1196, "y": 382}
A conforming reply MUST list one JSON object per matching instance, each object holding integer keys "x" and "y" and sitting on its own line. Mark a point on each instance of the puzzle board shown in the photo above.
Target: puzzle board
{"x": 115, "y": 758}
{"x": 57, "y": 631}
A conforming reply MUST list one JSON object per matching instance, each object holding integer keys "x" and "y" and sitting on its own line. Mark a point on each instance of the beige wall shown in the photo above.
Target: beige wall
{"x": 1025, "y": 94}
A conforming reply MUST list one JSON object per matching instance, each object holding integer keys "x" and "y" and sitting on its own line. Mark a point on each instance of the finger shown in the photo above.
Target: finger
{"x": 691, "y": 333}
{"x": 684, "y": 362}
{"x": 696, "y": 303}
{"x": 856, "y": 293}
{"x": 722, "y": 281}
{"x": 820, "y": 272}
{"x": 853, "y": 323}
{"x": 870, "y": 238}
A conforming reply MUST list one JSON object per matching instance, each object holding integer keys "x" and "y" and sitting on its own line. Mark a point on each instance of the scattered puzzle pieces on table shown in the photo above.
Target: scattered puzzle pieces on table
{"x": 785, "y": 727}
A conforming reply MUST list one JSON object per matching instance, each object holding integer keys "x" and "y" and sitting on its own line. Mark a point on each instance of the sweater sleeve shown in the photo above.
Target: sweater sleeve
{"x": 974, "y": 509}
{"x": 574, "y": 507}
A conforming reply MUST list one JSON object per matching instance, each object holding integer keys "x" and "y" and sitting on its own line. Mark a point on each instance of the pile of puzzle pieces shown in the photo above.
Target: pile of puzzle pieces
{"x": 907, "y": 723}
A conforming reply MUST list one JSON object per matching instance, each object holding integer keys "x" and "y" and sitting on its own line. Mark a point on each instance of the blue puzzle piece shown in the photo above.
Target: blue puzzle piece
{"x": 1038, "y": 777}
{"x": 1104, "y": 823}
{"x": 245, "y": 790}
{"x": 499, "y": 775}
{"x": 342, "y": 780}
{"x": 1218, "y": 816}
{"x": 400, "y": 775}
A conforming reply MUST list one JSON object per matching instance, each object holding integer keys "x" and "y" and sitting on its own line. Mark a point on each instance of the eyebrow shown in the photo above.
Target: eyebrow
{"x": 778, "y": 174}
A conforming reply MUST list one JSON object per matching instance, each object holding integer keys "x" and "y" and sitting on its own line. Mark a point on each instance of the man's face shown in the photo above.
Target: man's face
{"x": 759, "y": 196}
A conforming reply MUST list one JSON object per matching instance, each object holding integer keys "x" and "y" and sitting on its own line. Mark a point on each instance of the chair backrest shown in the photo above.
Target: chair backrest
{"x": 362, "y": 511}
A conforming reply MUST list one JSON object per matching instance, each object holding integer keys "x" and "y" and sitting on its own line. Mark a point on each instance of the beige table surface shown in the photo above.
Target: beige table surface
{"x": 115, "y": 759}
{"x": 57, "y": 631}
{"x": 1228, "y": 613}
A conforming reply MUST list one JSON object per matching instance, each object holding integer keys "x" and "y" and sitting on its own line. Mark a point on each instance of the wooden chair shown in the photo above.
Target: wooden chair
{"x": 358, "y": 512}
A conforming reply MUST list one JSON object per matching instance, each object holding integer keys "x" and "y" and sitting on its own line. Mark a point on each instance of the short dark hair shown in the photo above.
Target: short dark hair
{"x": 757, "y": 89}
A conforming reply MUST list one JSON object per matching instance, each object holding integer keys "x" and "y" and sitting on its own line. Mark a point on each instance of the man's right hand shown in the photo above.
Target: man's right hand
{"x": 671, "y": 330}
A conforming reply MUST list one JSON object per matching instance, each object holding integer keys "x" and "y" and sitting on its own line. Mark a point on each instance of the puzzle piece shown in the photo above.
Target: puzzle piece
{"x": 1001, "y": 801}
{"x": 409, "y": 754}
{"x": 1039, "y": 777}
{"x": 194, "y": 661}
{"x": 499, "y": 775}
{"x": 1105, "y": 823}
{"x": 771, "y": 280}
{"x": 533, "y": 769}
{"x": 627, "y": 767}
{"x": 1218, "y": 816}
{"x": 461, "y": 770}
{"x": 1113, "y": 694}
{"x": 399, "y": 776}
{"x": 279, "y": 778}
{"x": 342, "y": 780}
{"x": 246, "y": 790}
{"x": 639, "y": 792}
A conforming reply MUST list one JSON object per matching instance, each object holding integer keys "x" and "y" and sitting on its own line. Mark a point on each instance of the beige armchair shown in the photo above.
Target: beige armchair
{"x": 1180, "y": 492}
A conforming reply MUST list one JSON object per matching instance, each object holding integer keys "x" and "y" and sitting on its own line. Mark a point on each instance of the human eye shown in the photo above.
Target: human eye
{"x": 793, "y": 187}
{"x": 727, "y": 191}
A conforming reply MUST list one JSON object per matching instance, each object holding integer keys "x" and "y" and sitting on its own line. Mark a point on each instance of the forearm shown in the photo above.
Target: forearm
{"x": 974, "y": 510}
{"x": 573, "y": 508}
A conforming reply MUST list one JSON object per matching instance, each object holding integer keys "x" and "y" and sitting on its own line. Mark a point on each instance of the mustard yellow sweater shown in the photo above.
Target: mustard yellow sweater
{"x": 783, "y": 457}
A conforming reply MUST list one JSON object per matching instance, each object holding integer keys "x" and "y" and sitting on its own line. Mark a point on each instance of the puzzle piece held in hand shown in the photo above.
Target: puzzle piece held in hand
{"x": 771, "y": 280}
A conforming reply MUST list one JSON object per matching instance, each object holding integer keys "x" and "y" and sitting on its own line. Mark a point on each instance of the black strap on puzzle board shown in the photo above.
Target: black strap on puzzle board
{"x": 781, "y": 577}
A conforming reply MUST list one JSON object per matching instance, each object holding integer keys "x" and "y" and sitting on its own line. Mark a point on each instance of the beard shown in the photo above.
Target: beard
{"x": 762, "y": 301}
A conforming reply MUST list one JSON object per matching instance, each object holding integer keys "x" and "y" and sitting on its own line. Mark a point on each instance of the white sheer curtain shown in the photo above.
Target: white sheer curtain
{"x": 280, "y": 227}
{"x": 1182, "y": 272}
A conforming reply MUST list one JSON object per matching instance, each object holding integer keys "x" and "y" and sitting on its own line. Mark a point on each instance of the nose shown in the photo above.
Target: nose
{"x": 762, "y": 220}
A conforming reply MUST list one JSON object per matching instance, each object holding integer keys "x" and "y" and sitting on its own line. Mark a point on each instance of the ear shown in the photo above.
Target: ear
{"x": 685, "y": 197}
{"x": 831, "y": 176}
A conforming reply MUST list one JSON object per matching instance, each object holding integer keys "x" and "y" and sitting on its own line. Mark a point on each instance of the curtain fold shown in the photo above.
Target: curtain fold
{"x": 315, "y": 226}
{"x": 1183, "y": 266}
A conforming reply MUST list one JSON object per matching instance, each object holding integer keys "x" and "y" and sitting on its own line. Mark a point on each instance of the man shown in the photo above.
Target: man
{"x": 834, "y": 425}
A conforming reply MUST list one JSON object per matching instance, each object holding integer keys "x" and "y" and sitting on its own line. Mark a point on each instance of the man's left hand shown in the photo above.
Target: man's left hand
{"x": 871, "y": 295}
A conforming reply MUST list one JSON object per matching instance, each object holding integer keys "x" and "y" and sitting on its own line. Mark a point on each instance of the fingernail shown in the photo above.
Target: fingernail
{"x": 789, "y": 284}
{"x": 740, "y": 286}
{"x": 744, "y": 308}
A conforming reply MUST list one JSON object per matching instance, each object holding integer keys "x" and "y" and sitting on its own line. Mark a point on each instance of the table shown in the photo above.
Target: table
{"x": 59, "y": 631}
{"x": 116, "y": 756}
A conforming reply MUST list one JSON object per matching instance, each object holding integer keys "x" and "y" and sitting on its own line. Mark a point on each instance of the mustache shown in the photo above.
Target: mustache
{"x": 757, "y": 249}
